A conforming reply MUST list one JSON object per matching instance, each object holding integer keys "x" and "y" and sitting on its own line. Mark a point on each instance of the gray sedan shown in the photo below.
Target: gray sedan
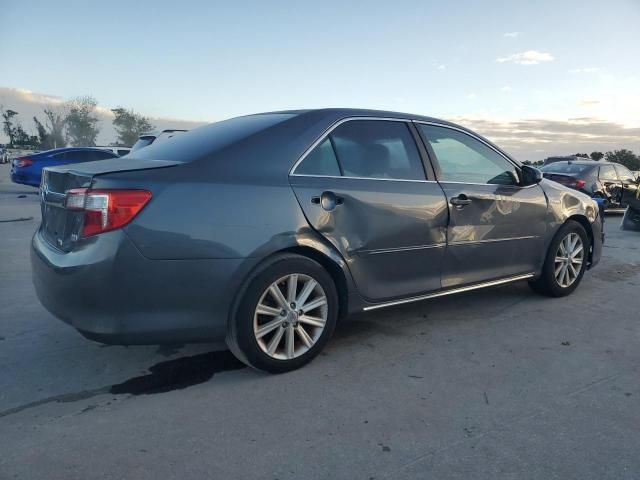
{"x": 267, "y": 229}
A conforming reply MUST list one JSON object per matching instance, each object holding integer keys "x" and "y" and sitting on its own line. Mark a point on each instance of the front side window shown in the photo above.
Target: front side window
{"x": 465, "y": 159}
{"x": 607, "y": 172}
{"x": 624, "y": 173}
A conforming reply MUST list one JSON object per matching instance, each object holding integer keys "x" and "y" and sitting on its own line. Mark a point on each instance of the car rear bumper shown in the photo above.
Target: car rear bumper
{"x": 111, "y": 293}
{"x": 24, "y": 178}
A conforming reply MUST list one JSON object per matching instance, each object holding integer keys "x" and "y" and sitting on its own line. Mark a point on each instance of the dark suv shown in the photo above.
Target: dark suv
{"x": 611, "y": 181}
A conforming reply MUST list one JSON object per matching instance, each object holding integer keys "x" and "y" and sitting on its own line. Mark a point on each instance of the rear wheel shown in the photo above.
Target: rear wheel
{"x": 566, "y": 261}
{"x": 285, "y": 316}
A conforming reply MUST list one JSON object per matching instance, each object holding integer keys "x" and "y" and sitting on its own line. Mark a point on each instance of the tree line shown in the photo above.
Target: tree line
{"x": 73, "y": 123}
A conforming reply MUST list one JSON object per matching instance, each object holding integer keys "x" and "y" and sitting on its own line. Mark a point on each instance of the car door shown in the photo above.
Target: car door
{"x": 496, "y": 227}
{"x": 610, "y": 182}
{"x": 363, "y": 188}
{"x": 629, "y": 185}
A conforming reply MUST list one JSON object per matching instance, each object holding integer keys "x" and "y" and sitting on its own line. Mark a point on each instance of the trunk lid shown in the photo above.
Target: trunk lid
{"x": 62, "y": 227}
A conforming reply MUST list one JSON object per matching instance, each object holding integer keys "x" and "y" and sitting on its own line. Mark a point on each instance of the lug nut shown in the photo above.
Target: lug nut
{"x": 283, "y": 313}
{"x": 293, "y": 305}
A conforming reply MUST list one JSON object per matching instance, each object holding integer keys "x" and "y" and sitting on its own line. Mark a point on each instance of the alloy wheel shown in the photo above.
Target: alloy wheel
{"x": 569, "y": 259}
{"x": 290, "y": 316}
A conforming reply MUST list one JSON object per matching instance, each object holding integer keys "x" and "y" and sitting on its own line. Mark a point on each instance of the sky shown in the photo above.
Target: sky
{"x": 538, "y": 77}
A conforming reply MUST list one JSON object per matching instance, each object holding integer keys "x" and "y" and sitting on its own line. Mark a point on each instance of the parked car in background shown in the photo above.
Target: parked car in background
{"x": 612, "y": 182}
{"x": 148, "y": 138}
{"x": 120, "y": 151}
{"x": 564, "y": 158}
{"x": 265, "y": 229}
{"x": 27, "y": 169}
{"x": 4, "y": 155}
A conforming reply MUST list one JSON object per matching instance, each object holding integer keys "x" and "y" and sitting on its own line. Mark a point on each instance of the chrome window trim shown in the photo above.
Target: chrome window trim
{"x": 328, "y": 131}
{"x": 452, "y": 291}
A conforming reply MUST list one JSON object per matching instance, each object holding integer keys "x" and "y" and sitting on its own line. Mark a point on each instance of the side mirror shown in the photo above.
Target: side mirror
{"x": 530, "y": 175}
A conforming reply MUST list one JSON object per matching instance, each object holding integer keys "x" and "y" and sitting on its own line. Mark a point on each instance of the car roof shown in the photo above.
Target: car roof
{"x": 591, "y": 163}
{"x": 363, "y": 112}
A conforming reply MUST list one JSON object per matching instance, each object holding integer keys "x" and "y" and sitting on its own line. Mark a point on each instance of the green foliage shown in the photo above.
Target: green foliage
{"x": 81, "y": 122}
{"x": 597, "y": 156}
{"x": 55, "y": 123}
{"x": 129, "y": 126}
{"x": 7, "y": 125}
{"x": 582, "y": 155}
{"x": 625, "y": 157}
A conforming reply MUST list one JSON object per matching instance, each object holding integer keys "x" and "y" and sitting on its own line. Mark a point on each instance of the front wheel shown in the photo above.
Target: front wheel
{"x": 285, "y": 316}
{"x": 565, "y": 263}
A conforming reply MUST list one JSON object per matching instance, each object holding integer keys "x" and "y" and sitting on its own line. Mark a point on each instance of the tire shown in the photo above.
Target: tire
{"x": 297, "y": 337}
{"x": 561, "y": 285}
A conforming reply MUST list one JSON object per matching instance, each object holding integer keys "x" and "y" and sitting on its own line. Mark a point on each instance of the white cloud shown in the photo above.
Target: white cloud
{"x": 506, "y": 89}
{"x": 530, "y": 57}
{"x": 441, "y": 67}
{"x": 584, "y": 70}
{"x": 588, "y": 102}
{"x": 511, "y": 34}
{"x": 471, "y": 96}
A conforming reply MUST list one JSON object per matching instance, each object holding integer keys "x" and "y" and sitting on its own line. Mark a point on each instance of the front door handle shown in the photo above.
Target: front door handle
{"x": 328, "y": 201}
{"x": 460, "y": 201}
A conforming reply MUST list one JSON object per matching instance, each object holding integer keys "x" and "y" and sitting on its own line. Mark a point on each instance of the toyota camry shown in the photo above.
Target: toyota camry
{"x": 267, "y": 229}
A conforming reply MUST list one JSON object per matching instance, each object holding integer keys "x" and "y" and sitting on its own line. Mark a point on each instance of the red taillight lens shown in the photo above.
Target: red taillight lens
{"x": 106, "y": 210}
{"x": 580, "y": 183}
{"x": 23, "y": 162}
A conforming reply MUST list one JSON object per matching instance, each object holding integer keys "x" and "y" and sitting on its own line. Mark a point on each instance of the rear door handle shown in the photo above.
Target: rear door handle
{"x": 460, "y": 201}
{"x": 328, "y": 201}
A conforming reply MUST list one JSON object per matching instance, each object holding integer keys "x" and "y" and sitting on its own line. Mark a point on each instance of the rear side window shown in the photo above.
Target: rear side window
{"x": 377, "y": 149}
{"x": 464, "y": 159}
{"x": 607, "y": 172}
{"x": 103, "y": 155}
{"x": 122, "y": 153}
{"x": 321, "y": 161}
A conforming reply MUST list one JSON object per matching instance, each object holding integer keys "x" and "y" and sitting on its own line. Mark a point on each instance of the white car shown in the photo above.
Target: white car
{"x": 120, "y": 151}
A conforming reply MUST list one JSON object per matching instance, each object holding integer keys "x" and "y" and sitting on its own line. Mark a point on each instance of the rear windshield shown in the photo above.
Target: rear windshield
{"x": 566, "y": 168}
{"x": 197, "y": 143}
{"x": 142, "y": 142}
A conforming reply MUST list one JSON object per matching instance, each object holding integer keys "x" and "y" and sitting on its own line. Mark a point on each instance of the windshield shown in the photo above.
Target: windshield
{"x": 572, "y": 168}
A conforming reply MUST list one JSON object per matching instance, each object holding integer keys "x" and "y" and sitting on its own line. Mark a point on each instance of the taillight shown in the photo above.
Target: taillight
{"x": 106, "y": 210}
{"x": 22, "y": 162}
{"x": 580, "y": 183}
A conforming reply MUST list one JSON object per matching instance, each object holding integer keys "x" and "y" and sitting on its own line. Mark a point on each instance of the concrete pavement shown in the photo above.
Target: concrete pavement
{"x": 500, "y": 383}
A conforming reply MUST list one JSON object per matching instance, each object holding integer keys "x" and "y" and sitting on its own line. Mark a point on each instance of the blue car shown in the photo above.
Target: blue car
{"x": 28, "y": 169}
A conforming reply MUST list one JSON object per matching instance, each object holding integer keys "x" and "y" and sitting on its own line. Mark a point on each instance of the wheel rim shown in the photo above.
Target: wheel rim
{"x": 569, "y": 259}
{"x": 290, "y": 316}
